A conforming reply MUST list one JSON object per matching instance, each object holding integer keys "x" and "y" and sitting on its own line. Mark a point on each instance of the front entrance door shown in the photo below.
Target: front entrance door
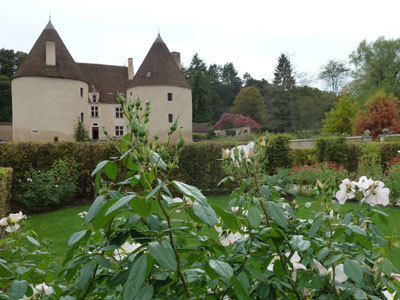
{"x": 95, "y": 133}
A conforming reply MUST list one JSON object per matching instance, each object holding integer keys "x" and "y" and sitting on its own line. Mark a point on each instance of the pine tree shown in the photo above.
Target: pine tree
{"x": 283, "y": 111}
{"x": 199, "y": 80}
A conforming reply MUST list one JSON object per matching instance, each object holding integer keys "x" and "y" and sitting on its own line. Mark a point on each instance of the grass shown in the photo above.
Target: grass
{"x": 55, "y": 228}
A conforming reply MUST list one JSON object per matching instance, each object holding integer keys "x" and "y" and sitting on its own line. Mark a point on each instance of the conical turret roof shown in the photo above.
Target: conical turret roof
{"x": 159, "y": 68}
{"x": 35, "y": 63}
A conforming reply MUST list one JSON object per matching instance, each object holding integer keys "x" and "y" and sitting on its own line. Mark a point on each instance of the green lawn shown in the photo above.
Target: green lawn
{"x": 56, "y": 227}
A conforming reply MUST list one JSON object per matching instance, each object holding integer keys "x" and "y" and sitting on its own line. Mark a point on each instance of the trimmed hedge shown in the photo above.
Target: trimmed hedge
{"x": 5, "y": 190}
{"x": 200, "y": 163}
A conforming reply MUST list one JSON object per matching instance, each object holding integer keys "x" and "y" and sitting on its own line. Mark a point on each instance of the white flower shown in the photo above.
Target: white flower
{"x": 364, "y": 183}
{"x": 340, "y": 276}
{"x": 271, "y": 264}
{"x": 377, "y": 194}
{"x": 295, "y": 260}
{"x": 12, "y": 221}
{"x": 230, "y": 238}
{"x": 177, "y": 200}
{"x": 29, "y": 179}
{"x": 346, "y": 191}
{"x": 82, "y": 214}
{"x": 244, "y": 151}
{"x": 43, "y": 288}
{"x": 389, "y": 295}
{"x": 14, "y": 218}
{"x": 126, "y": 248}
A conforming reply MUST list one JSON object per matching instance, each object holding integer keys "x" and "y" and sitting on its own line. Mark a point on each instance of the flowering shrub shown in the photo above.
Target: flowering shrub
{"x": 229, "y": 120}
{"x": 328, "y": 172}
{"x": 49, "y": 188}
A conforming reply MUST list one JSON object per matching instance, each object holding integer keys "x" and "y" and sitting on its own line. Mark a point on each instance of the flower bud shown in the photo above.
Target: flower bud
{"x": 173, "y": 126}
{"x": 225, "y": 153}
{"x": 263, "y": 142}
{"x": 380, "y": 259}
{"x": 181, "y": 142}
{"x": 137, "y": 103}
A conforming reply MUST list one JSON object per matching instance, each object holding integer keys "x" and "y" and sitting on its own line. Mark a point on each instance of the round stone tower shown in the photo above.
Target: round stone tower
{"x": 161, "y": 81}
{"x": 49, "y": 94}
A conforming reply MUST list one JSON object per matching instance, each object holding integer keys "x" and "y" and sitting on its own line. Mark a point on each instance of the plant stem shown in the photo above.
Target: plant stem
{"x": 280, "y": 254}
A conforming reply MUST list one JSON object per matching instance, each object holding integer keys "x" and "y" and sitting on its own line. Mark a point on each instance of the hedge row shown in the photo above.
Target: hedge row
{"x": 200, "y": 163}
{"x": 5, "y": 190}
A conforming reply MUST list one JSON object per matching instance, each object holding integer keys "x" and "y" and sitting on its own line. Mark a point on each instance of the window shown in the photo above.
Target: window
{"x": 148, "y": 75}
{"x": 94, "y": 99}
{"x": 170, "y": 118}
{"x": 118, "y": 112}
{"x": 81, "y": 117}
{"x": 119, "y": 130}
{"x": 95, "y": 111}
{"x": 81, "y": 92}
{"x": 169, "y": 96}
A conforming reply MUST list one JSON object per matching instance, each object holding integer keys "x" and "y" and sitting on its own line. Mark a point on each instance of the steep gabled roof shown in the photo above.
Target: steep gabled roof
{"x": 35, "y": 63}
{"x": 159, "y": 68}
{"x": 107, "y": 80}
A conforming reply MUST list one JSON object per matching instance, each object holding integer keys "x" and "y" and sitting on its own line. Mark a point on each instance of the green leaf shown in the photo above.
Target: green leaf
{"x": 76, "y": 237}
{"x": 99, "y": 167}
{"x": 276, "y": 213}
{"x": 356, "y": 229}
{"x": 136, "y": 278}
{"x": 102, "y": 261}
{"x": 254, "y": 217}
{"x": 240, "y": 290}
{"x": 145, "y": 293}
{"x": 229, "y": 219}
{"x": 121, "y": 202}
{"x": 333, "y": 259}
{"x": 265, "y": 191}
{"x": 84, "y": 275}
{"x": 387, "y": 267}
{"x": 94, "y": 209}
{"x": 141, "y": 207}
{"x": 191, "y": 191}
{"x": 117, "y": 279}
{"x": 154, "y": 191}
{"x": 298, "y": 243}
{"x": 18, "y": 289}
{"x": 111, "y": 170}
{"x": 315, "y": 227}
{"x": 33, "y": 241}
{"x": 163, "y": 254}
{"x": 221, "y": 268}
{"x": 205, "y": 213}
{"x": 158, "y": 160}
{"x": 131, "y": 165}
{"x": 353, "y": 270}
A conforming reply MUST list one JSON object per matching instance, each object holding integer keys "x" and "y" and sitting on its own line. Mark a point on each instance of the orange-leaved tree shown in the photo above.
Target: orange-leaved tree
{"x": 381, "y": 111}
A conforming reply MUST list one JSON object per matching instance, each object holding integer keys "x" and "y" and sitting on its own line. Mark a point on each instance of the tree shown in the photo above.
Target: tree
{"x": 334, "y": 74}
{"x": 340, "y": 118}
{"x": 283, "y": 73}
{"x": 376, "y": 67}
{"x": 5, "y": 99}
{"x": 283, "y": 110}
{"x": 81, "y": 134}
{"x": 249, "y": 102}
{"x": 382, "y": 111}
{"x": 199, "y": 80}
{"x": 9, "y": 61}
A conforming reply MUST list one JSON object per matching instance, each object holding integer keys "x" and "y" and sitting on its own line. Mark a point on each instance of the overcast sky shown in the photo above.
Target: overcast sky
{"x": 251, "y": 34}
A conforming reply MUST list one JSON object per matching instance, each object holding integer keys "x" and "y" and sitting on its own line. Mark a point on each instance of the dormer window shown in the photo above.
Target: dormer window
{"x": 110, "y": 93}
{"x": 148, "y": 75}
{"x": 94, "y": 99}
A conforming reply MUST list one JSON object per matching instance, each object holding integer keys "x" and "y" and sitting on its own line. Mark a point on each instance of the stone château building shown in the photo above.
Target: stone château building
{"x": 51, "y": 92}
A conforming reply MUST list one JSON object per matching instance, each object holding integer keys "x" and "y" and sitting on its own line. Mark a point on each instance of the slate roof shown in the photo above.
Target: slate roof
{"x": 106, "y": 79}
{"x": 35, "y": 63}
{"x": 159, "y": 68}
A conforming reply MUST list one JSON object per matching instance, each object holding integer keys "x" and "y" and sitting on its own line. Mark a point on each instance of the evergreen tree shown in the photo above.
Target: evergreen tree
{"x": 5, "y": 99}
{"x": 283, "y": 102}
{"x": 283, "y": 73}
{"x": 81, "y": 134}
{"x": 199, "y": 80}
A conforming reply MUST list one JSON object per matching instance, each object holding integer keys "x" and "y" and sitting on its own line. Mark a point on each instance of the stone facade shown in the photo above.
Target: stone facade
{"x": 51, "y": 93}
